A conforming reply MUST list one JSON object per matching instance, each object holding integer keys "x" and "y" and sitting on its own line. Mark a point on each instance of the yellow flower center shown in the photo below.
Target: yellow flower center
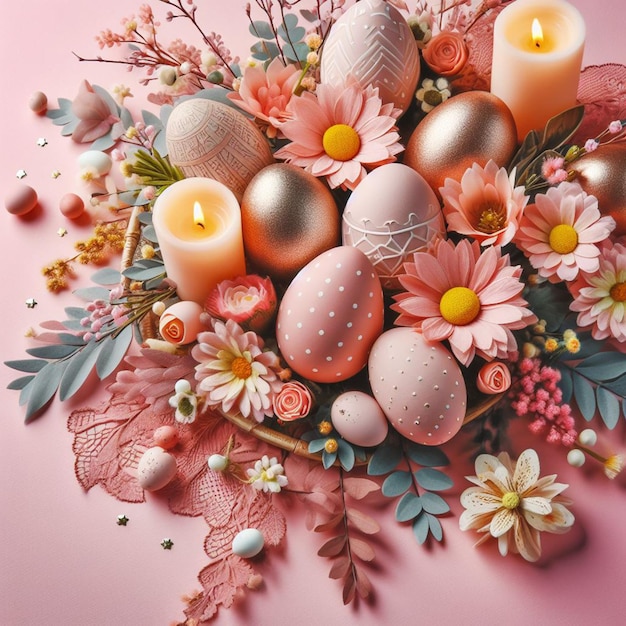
{"x": 492, "y": 218}
{"x": 241, "y": 368}
{"x": 563, "y": 239}
{"x": 341, "y": 142}
{"x": 325, "y": 427}
{"x": 510, "y": 500}
{"x": 331, "y": 446}
{"x": 459, "y": 306}
{"x": 618, "y": 292}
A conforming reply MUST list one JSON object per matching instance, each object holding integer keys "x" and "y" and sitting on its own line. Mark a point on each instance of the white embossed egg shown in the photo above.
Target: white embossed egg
{"x": 419, "y": 386}
{"x": 391, "y": 214}
{"x": 248, "y": 543}
{"x": 155, "y": 469}
{"x": 212, "y": 140}
{"x": 330, "y": 316}
{"x": 358, "y": 418}
{"x": 373, "y": 42}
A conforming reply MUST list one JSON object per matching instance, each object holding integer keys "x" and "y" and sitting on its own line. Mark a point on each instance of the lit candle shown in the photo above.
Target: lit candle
{"x": 537, "y": 56}
{"x": 198, "y": 227}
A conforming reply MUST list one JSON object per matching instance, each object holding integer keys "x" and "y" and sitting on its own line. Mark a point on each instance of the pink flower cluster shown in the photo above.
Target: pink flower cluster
{"x": 102, "y": 313}
{"x": 538, "y": 396}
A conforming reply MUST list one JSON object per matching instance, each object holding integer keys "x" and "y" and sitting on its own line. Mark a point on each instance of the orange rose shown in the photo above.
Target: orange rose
{"x": 292, "y": 402}
{"x": 493, "y": 378}
{"x": 446, "y": 53}
{"x": 180, "y": 323}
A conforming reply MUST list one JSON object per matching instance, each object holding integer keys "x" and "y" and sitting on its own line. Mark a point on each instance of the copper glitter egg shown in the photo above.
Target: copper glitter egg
{"x": 471, "y": 127}
{"x": 602, "y": 173}
{"x": 288, "y": 218}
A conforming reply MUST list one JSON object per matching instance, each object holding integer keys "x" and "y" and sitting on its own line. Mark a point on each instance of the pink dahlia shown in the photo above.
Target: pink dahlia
{"x": 266, "y": 93}
{"x": 470, "y": 298}
{"x": 485, "y": 205}
{"x": 560, "y": 231}
{"x": 339, "y": 131}
{"x": 600, "y": 298}
{"x": 234, "y": 372}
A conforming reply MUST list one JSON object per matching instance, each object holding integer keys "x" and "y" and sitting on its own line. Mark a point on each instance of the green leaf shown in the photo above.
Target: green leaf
{"x": 70, "y": 339}
{"x": 260, "y": 29}
{"x": 106, "y": 276}
{"x": 585, "y": 396}
{"x": 434, "y": 503}
{"x": 264, "y": 50}
{"x": 427, "y": 456}
{"x": 561, "y": 127}
{"x": 142, "y": 273}
{"x": 396, "y": 483}
{"x": 75, "y": 312}
{"x": 113, "y": 351}
{"x": 345, "y": 452}
{"x": 289, "y": 31}
{"x": 384, "y": 459}
{"x": 43, "y": 387}
{"x": 566, "y": 384}
{"x": 296, "y": 52}
{"x": 433, "y": 479}
{"x": 608, "y": 406}
{"x": 27, "y": 365}
{"x": 435, "y": 527}
{"x": 409, "y": 506}
{"x": 54, "y": 351}
{"x": 421, "y": 528}
{"x": 89, "y": 294}
{"x": 19, "y": 383}
{"x": 79, "y": 369}
{"x": 617, "y": 386}
{"x": 603, "y": 366}
{"x": 317, "y": 445}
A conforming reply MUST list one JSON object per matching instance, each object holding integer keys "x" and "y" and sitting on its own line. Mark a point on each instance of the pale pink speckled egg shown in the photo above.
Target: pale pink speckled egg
{"x": 166, "y": 436}
{"x": 156, "y": 469}
{"x": 358, "y": 418}
{"x": 330, "y": 315}
{"x": 419, "y": 386}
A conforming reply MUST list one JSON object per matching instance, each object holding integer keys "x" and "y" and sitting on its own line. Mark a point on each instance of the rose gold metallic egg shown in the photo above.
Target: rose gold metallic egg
{"x": 288, "y": 218}
{"x": 471, "y": 127}
{"x": 602, "y": 173}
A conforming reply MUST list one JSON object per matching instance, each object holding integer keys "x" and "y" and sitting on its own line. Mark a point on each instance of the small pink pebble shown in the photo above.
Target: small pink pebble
{"x": 166, "y": 437}
{"x": 22, "y": 199}
{"x": 38, "y": 102}
{"x": 72, "y": 206}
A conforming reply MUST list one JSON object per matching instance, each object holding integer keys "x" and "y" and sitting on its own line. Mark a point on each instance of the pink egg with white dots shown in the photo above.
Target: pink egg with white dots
{"x": 419, "y": 386}
{"x": 330, "y": 315}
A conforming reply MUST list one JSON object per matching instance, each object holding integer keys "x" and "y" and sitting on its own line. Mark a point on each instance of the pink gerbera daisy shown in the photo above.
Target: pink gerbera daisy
{"x": 339, "y": 131}
{"x": 234, "y": 372}
{"x": 560, "y": 231}
{"x": 600, "y": 298}
{"x": 486, "y": 205}
{"x": 470, "y": 298}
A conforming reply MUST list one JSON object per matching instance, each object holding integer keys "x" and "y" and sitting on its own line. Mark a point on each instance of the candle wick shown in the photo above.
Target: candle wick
{"x": 200, "y": 224}
{"x": 537, "y": 44}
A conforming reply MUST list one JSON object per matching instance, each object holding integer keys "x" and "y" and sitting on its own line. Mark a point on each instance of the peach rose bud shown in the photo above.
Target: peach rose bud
{"x": 493, "y": 378}
{"x": 181, "y": 323}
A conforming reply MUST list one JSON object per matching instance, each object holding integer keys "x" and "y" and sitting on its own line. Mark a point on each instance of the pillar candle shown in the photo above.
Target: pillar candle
{"x": 198, "y": 227}
{"x": 537, "y": 78}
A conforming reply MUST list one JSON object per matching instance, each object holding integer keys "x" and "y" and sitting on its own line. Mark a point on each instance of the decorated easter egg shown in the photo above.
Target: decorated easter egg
{"x": 373, "y": 42}
{"x": 471, "y": 127}
{"x": 358, "y": 418}
{"x": 165, "y": 437}
{"x": 21, "y": 199}
{"x": 288, "y": 218}
{"x": 390, "y": 215}
{"x": 330, "y": 316}
{"x": 601, "y": 174}
{"x": 156, "y": 469}
{"x": 210, "y": 139}
{"x": 97, "y": 160}
{"x": 419, "y": 386}
{"x": 248, "y": 543}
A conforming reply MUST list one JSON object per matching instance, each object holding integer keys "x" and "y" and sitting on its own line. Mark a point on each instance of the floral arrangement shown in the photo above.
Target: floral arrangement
{"x": 523, "y": 290}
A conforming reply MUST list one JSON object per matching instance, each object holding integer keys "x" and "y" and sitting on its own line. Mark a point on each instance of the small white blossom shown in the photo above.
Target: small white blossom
{"x": 185, "y": 402}
{"x": 268, "y": 475}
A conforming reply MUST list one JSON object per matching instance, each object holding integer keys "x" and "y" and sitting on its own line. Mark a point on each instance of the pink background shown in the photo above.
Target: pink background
{"x": 64, "y": 560}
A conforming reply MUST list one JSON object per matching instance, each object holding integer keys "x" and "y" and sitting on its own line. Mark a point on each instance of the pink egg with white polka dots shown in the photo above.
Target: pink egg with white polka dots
{"x": 330, "y": 315}
{"x": 419, "y": 386}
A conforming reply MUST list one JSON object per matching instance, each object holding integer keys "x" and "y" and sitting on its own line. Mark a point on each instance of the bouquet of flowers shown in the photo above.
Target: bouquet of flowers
{"x": 394, "y": 287}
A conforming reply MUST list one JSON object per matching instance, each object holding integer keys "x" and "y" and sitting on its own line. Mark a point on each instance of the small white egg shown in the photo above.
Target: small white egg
{"x": 100, "y": 161}
{"x": 248, "y": 543}
{"x": 576, "y": 457}
{"x": 588, "y": 437}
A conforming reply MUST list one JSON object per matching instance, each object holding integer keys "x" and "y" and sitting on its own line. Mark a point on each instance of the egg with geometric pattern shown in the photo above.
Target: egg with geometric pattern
{"x": 391, "y": 214}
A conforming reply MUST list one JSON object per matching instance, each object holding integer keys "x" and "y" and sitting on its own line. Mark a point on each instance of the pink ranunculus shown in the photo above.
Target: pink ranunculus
{"x": 494, "y": 377}
{"x": 181, "y": 323}
{"x": 248, "y": 300}
{"x": 96, "y": 118}
{"x": 292, "y": 402}
{"x": 446, "y": 53}
{"x": 266, "y": 93}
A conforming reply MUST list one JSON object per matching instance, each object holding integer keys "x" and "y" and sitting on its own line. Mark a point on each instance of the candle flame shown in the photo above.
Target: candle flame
{"x": 537, "y": 33}
{"x": 198, "y": 215}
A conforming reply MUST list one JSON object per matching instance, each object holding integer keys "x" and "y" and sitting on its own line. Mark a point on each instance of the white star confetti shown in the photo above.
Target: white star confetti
{"x": 42, "y": 141}
{"x": 21, "y": 174}
{"x": 61, "y": 232}
{"x": 31, "y": 303}
{"x": 56, "y": 174}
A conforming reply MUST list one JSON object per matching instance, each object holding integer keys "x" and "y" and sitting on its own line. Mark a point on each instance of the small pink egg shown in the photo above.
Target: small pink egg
{"x": 166, "y": 437}
{"x": 21, "y": 200}
{"x": 38, "y": 102}
{"x": 156, "y": 469}
{"x": 72, "y": 206}
{"x": 358, "y": 418}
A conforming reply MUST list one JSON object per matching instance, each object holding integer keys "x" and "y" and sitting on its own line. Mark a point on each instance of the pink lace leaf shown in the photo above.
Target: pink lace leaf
{"x": 105, "y": 449}
{"x": 221, "y": 581}
{"x": 153, "y": 376}
{"x": 602, "y": 89}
